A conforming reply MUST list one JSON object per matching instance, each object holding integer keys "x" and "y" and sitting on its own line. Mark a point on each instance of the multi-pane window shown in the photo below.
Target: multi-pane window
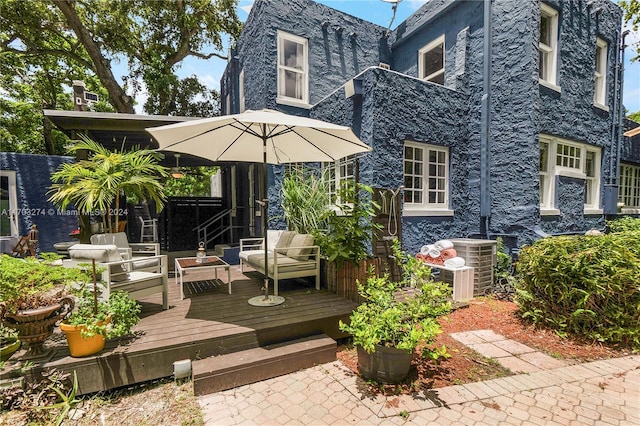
{"x": 545, "y": 187}
{"x": 337, "y": 173}
{"x": 591, "y": 196}
{"x": 431, "y": 61}
{"x": 567, "y": 158}
{"x": 630, "y": 186}
{"x": 426, "y": 176}
{"x": 600, "y": 93}
{"x": 241, "y": 90}
{"x": 548, "y": 44}
{"x": 292, "y": 68}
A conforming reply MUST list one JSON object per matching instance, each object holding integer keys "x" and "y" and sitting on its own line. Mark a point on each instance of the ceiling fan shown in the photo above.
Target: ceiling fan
{"x": 176, "y": 172}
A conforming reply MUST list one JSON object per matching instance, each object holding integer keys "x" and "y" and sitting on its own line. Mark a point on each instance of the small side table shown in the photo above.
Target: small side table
{"x": 189, "y": 263}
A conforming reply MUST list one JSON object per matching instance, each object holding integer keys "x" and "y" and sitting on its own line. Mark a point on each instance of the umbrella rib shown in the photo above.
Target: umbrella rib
{"x": 315, "y": 145}
{"x": 237, "y": 125}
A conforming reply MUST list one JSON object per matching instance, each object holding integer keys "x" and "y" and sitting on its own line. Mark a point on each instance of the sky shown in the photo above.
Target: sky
{"x": 380, "y": 12}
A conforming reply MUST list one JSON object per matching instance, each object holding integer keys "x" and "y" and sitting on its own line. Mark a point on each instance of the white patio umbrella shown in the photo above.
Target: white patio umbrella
{"x": 264, "y": 136}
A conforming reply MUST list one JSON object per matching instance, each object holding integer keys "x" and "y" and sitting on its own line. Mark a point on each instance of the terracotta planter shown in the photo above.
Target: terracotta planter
{"x": 82, "y": 346}
{"x": 385, "y": 365}
{"x": 8, "y": 348}
{"x": 35, "y": 325}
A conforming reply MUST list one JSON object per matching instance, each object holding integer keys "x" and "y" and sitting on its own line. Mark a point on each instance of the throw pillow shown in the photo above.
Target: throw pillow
{"x": 300, "y": 247}
{"x": 285, "y": 240}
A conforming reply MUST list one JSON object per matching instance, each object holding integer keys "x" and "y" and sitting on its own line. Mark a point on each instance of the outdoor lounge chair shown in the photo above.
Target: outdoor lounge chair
{"x": 142, "y": 254}
{"x": 290, "y": 255}
{"x": 118, "y": 274}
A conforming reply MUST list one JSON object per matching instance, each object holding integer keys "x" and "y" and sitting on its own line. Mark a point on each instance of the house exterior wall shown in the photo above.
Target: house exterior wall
{"x": 33, "y": 179}
{"x": 395, "y": 106}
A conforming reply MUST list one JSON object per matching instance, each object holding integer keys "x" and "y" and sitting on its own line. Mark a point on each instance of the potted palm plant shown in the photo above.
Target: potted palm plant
{"x": 34, "y": 296}
{"x": 392, "y": 322}
{"x": 97, "y": 184}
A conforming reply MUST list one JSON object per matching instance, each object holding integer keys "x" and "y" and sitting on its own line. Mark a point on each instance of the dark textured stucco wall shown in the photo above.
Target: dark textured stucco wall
{"x": 570, "y": 114}
{"x": 33, "y": 179}
{"x": 394, "y": 108}
{"x": 397, "y": 107}
{"x": 343, "y": 48}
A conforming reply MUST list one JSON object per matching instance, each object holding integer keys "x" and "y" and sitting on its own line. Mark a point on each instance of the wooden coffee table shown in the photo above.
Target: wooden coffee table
{"x": 184, "y": 264}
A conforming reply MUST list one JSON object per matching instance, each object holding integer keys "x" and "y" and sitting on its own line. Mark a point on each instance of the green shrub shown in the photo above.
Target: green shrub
{"x": 624, "y": 224}
{"x": 388, "y": 319}
{"x": 584, "y": 285}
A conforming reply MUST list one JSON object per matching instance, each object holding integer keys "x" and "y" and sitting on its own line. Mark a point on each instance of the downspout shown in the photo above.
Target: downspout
{"x": 620, "y": 106}
{"x": 485, "y": 136}
{"x": 616, "y": 94}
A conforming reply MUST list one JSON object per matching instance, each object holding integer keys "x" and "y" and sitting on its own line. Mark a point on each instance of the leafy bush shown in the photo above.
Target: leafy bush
{"x": 388, "y": 319}
{"x": 585, "y": 285}
{"x": 624, "y": 224}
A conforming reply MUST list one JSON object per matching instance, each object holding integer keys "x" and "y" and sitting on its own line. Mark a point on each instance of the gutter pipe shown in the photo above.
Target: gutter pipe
{"x": 620, "y": 106}
{"x": 485, "y": 136}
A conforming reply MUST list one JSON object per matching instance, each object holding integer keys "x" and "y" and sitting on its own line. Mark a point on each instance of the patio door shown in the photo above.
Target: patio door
{"x": 8, "y": 204}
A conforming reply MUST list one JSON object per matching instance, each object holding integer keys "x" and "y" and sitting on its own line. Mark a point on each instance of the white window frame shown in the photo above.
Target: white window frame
{"x": 629, "y": 192}
{"x": 283, "y": 69}
{"x": 241, "y": 90}
{"x": 569, "y": 158}
{"x": 600, "y": 74}
{"x": 11, "y": 211}
{"x": 337, "y": 173}
{"x": 549, "y": 52}
{"x": 421, "y": 54}
{"x": 424, "y": 207}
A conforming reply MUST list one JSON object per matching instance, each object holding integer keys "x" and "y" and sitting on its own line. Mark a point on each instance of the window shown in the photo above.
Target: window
{"x": 548, "y": 45}
{"x": 339, "y": 172}
{"x": 241, "y": 90}
{"x": 426, "y": 177}
{"x": 546, "y": 187}
{"x": 8, "y": 204}
{"x": 630, "y": 187}
{"x": 560, "y": 157}
{"x": 292, "y": 68}
{"x": 600, "y": 93}
{"x": 431, "y": 61}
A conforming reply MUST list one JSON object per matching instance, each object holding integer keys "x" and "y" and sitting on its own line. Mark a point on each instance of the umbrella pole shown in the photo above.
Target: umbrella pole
{"x": 265, "y": 211}
{"x": 266, "y": 300}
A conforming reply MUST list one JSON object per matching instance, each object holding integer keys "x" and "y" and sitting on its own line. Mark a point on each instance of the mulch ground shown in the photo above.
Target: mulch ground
{"x": 465, "y": 365}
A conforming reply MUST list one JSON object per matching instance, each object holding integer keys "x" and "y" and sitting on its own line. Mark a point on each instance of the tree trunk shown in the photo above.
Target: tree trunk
{"x": 122, "y": 102}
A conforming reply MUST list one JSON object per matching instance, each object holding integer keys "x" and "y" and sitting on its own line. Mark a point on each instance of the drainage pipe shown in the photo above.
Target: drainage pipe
{"x": 485, "y": 136}
{"x": 618, "y": 104}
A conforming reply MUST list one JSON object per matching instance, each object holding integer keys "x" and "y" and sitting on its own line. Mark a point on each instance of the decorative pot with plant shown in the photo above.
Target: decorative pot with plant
{"x": 92, "y": 321}
{"x": 34, "y": 296}
{"x": 396, "y": 318}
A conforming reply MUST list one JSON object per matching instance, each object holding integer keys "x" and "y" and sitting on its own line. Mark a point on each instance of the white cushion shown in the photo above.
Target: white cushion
{"x": 300, "y": 240}
{"x": 273, "y": 235}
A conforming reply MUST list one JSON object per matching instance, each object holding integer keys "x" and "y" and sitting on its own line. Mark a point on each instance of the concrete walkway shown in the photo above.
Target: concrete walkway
{"x": 547, "y": 393}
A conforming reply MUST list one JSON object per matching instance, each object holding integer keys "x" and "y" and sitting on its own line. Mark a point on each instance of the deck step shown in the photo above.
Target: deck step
{"x": 253, "y": 365}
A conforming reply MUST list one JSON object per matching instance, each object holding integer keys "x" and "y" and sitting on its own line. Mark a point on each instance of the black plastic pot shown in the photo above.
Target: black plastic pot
{"x": 385, "y": 365}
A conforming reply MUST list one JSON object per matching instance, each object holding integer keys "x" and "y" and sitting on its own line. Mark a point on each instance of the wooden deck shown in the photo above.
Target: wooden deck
{"x": 208, "y": 322}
